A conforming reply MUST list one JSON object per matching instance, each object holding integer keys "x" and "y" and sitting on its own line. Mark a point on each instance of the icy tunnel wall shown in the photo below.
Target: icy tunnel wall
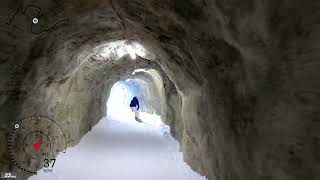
{"x": 146, "y": 95}
{"x": 151, "y": 91}
{"x": 246, "y": 70}
{"x": 249, "y": 82}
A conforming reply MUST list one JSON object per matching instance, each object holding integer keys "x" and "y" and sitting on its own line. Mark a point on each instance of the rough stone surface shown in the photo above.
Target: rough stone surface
{"x": 241, "y": 77}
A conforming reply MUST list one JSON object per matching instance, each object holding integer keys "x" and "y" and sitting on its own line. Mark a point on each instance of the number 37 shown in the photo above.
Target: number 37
{"x": 48, "y": 162}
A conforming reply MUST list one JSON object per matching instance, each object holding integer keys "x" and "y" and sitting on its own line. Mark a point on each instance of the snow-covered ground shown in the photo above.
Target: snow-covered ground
{"x": 123, "y": 150}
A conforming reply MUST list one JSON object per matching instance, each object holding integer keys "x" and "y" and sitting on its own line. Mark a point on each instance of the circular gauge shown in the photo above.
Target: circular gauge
{"x": 34, "y": 141}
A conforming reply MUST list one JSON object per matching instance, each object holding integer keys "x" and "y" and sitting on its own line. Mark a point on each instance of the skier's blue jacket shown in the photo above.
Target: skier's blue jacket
{"x": 134, "y": 102}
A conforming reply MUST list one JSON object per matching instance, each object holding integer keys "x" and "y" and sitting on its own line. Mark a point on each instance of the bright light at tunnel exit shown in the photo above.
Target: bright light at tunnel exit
{"x": 118, "y": 105}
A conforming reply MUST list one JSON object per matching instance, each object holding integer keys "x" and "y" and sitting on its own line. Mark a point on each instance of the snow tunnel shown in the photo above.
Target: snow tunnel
{"x": 239, "y": 86}
{"x": 144, "y": 84}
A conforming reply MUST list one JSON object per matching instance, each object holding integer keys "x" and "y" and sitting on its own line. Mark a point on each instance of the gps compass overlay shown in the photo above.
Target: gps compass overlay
{"x": 35, "y": 142}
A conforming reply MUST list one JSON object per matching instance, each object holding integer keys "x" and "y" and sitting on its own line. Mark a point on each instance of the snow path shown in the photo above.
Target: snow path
{"x": 116, "y": 150}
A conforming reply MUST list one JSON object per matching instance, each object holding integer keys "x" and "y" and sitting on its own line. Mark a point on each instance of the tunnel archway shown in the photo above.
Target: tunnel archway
{"x": 150, "y": 95}
{"x": 126, "y": 148}
{"x": 241, "y": 77}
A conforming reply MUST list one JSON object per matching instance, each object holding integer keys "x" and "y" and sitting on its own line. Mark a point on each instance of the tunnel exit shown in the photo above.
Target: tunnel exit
{"x": 121, "y": 96}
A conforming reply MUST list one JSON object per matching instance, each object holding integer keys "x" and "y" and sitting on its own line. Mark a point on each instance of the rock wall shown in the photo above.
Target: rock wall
{"x": 248, "y": 82}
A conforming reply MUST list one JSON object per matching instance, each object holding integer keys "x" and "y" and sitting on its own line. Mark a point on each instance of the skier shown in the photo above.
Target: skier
{"x": 134, "y": 105}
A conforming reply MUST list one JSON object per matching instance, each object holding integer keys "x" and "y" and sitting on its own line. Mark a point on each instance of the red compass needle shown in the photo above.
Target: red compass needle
{"x": 37, "y": 144}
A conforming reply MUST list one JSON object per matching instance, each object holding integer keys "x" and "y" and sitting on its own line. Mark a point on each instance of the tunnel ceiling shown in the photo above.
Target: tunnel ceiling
{"x": 241, "y": 77}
